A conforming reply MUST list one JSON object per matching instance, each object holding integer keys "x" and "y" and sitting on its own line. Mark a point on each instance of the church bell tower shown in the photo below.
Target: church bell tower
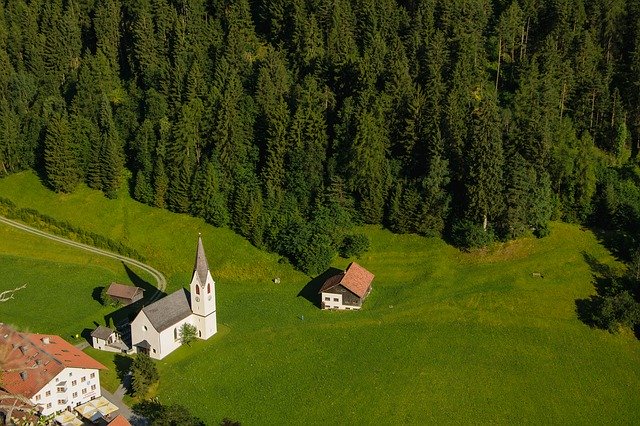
{"x": 203, "y": 296}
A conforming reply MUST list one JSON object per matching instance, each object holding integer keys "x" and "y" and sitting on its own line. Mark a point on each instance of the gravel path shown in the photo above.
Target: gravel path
{"x": 157, "y": 275}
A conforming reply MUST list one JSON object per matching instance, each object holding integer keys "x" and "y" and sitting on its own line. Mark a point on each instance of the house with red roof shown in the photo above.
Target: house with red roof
{"x": 346, "y": 290}
{"x": 49, "y": 371}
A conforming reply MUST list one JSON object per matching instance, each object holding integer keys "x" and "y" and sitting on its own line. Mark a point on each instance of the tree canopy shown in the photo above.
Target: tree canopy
{"x": 290, "y": 121}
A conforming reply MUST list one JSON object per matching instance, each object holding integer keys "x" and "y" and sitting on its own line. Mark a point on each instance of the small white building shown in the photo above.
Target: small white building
{"x": 106, "y": 339}
{"x": 346, "y": 290}
{"x": 52, "y": 373}
{"x": 156, "y": 328}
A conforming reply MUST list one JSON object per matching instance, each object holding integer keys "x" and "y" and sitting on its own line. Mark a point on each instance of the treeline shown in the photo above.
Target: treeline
{"x": 290, "y": 120}
{"x": 64, "y": 229}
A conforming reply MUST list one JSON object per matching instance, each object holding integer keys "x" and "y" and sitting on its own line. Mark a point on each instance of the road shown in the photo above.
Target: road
{"x": 157, "y": 275}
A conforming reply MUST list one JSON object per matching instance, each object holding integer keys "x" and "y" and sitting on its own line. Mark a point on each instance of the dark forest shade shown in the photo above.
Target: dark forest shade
{"x": 289, "y": 122}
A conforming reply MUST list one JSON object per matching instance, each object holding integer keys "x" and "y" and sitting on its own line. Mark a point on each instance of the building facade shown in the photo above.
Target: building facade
{"x": 52, "y": 373}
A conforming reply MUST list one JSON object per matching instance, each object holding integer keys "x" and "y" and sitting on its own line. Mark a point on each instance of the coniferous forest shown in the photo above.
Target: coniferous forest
{"x": 291, "y": 120}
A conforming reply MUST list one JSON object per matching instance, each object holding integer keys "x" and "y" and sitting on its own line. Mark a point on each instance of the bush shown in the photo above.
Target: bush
{"x": 354, "y": 245}
{"x": 467, "y": 235}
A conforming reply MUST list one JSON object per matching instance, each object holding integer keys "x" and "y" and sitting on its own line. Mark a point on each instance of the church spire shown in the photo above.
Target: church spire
{"x": 201, "y": 266}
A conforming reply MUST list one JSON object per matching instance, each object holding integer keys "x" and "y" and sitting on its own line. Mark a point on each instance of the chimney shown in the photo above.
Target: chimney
{"x": 23, "y": 375}
{"x": 45, "y": 340}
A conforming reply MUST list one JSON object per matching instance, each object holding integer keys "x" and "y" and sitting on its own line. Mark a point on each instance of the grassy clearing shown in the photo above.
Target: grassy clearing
{"x": 444, "y": 337}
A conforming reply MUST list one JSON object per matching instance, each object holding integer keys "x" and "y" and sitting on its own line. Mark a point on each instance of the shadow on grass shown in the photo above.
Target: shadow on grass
{"x": 121, "y": 317}
{"x": 123, "y": 365}
{"x": 619, "y": 243}
{"x": 96, "y": 294}
{"x": 311, "y": 289}
{"x": 613, "y": 303}
{"x": 149, "y": 289}
{"x": 86, "y": 335}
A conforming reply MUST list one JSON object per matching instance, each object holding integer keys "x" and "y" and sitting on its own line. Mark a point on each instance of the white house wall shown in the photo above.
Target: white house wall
{"x": 335, "y": 302}
{"x": 80, "y": 385}
{"x": 170, "y": 339}
{"x": 206, "y": 326}
{"x": 141, "y": 329}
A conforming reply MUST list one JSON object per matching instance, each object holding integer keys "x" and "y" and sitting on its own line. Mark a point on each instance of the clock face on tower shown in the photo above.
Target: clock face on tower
{"x": 209, "y": 297}
{"x": 197, "y": 299}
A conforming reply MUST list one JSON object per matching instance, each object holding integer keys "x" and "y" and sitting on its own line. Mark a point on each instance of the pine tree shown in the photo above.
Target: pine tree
{"x": 484, "y": 179}
{"x": 61, "y": 165}
{"x": 110, "y": 153}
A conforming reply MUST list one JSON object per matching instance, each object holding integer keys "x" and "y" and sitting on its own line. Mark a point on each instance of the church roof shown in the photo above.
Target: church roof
{"x": 169, "y": 310}
{"x": 201, "y": 266}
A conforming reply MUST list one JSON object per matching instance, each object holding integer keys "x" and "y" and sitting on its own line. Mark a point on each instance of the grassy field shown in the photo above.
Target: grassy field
{"x": 445, "y": 337}
{"x": 60, "y": 284}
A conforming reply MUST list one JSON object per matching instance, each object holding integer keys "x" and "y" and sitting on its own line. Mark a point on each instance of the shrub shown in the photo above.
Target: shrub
{"x": 467, "y": 235}
{"x": 354, "y": 245}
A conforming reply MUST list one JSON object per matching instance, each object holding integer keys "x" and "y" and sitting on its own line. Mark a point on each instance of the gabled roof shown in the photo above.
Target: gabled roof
{"x": 102, "y": 332}
{"x": 169, "y": 310}
{"x": 119, "y": 421}
{"x": 201, "y": 266}
{"x": 30, "y": 361}
{"x": 124, "y": 291}
{"x": 355, "y": 278}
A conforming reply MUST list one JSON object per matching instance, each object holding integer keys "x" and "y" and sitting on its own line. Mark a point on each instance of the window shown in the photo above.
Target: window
{"x": 75, "y": 394}
{"x": 208, "y": 288}
{"x": 154, "y": 351}
{"x": 47, "y": 393}
{"x": 60, "y": 389}
{"x": 144, "y": 328}
{"x": 93, "y": 375}
{"x": 197, "y": 289}
{"x": 73, "y": 383}
{"x": 61, "y": 401}
{"x": 84, "y": 391}
{"x": 49, "y": 405}
{"x": 69, "y": 373}
{"x": 93, "y": 387}
{"x": 175, "y": 334}
{"x": 327, "y": 299}
{"x": 38, "y": 397}
{"x": 335, "y": 299}
{"x": 83, "y": 379}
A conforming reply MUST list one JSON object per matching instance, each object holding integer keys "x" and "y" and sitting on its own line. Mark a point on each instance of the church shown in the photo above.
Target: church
{"x": 156, "y": 328}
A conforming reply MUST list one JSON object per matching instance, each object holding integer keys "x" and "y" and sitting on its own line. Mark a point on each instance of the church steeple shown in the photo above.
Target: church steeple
{"x": 201, "y": 266}
{"x": 203, "y": 295}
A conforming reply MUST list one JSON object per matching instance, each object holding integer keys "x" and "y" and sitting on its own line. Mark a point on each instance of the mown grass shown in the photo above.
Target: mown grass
{"x": 61, "y": 283}
{"x": 445, "y": 337}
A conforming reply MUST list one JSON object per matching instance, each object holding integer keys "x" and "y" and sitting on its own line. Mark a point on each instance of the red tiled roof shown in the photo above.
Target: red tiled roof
{"x": 355, "y": 279}
{"x": 30, "y": 361}
{"x": 123, "y": 291}
{"x": 119, "y": 421}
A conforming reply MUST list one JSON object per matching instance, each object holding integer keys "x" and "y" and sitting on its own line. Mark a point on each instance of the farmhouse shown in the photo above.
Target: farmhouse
{"x": 346, "y": 290}
{"x": 156, "y": 328}
{"x": 125, "y": 294}
{"x": 52, "y": 373}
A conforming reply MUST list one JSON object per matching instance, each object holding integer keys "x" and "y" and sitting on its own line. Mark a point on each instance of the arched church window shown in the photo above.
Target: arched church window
{"x": 208, "y": 288}
{"x": 197, "y": 289}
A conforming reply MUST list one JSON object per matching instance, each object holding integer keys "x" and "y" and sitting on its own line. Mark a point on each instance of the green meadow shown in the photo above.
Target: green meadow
{"x": 444, "y": 337}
